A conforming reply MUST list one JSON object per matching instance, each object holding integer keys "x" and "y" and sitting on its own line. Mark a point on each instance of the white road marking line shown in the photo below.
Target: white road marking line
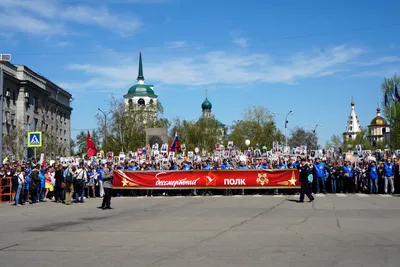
{"x": 320, "y": 195}
{"x": 257, "y": 195}
{"x": 217, "y": 196}
{"x": 278, "y": 195}
{"x": 362, "y": 195}
{"x": 237, "y": 196}
{"x": 341, "y": 195}
{"x": 382, "y": 195}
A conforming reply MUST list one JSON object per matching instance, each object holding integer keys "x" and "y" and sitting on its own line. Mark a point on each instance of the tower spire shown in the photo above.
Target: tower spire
{"x": 140, "y": 77}
{"x": 206, "y": 93}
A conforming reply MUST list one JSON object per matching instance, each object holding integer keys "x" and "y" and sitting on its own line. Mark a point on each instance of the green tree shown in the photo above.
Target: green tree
{"x": 302, "y": 137}
{"x": 204, "y": 133}
{"x": 391, "y": 110}
{"x": 361, "y": 139}
{"x": 81, "y": 139}
{"x": 72, "y": 147}
{"x": 334, "y": 141}
{"x": 258, "y": 126}
{"x": 126, "y": 125}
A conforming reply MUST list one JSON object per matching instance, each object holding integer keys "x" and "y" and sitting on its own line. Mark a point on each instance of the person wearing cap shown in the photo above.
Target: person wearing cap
{"x": 305, "y": 172}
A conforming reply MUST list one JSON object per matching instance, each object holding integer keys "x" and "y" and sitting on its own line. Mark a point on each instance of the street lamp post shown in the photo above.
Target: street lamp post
{"x": 314, "y": 131}
{"x": 3, "y": 58}
{"x": 286, "y": 123}
{"x": 105, "y": 113}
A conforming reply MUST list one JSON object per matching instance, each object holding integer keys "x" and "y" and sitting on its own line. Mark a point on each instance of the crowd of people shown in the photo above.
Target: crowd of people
{"x": 73, "y": 183}
{"x": 31, "y": 183}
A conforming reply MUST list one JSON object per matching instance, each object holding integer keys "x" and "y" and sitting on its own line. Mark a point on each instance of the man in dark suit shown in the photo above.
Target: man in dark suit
{"x": 305, "y": 171}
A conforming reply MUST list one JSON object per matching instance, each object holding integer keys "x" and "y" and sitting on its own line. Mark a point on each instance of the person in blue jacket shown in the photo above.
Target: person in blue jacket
{"x": 373, "y": 178}
{"x": 186, "y": 166}
{"x": 348, "y": 177}
{"x": 225, "y": 165}
{"x": 388, "y": 175}
{"x": 263, "y": 165}
{"x": 42, "y": 189}
{"x": 27, "y": 184}
{"x": 319, "y": 174}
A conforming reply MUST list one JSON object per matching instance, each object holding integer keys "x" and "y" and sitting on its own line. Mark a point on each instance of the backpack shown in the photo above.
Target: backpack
{"x": 68, "y": 176}
{"x": 35, "y": 180}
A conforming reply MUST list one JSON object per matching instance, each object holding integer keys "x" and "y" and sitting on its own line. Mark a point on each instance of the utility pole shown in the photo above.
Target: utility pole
{"x": 3, "y": 58}
{"x": 105, "y": 113}
{"x": 286, "y": 123}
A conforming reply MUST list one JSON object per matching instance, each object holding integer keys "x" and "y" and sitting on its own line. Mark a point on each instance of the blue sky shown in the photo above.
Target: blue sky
{"x": 311, "y": 57}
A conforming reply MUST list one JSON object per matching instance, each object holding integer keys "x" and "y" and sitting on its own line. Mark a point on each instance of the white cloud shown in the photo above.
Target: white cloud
{"x": 27, "y": 24}
{"x": 41, "y": 16}
{"x": 43, "y": 8}
{"x": 221, "y": 67}
{"x": 101, "y": 17}
{"x": 378, "y": 61}
{"x": 239, "y": 40}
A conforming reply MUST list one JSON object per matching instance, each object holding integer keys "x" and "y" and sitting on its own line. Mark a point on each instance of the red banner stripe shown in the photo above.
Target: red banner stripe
{"x": 207, "y": 179}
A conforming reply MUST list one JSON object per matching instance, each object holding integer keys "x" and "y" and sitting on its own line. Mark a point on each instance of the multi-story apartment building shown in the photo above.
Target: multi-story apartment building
{"x": 32, "y": 102}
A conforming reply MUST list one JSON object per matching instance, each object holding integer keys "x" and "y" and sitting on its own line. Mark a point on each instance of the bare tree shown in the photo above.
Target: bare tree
{"x": 13, "y": 143}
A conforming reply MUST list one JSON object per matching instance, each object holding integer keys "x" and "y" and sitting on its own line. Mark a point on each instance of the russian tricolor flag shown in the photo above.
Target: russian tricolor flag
{"x": 175, "y": 146}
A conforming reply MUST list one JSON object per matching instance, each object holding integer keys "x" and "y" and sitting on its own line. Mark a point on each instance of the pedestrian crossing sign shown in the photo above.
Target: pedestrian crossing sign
{"x": 35, "y": 139}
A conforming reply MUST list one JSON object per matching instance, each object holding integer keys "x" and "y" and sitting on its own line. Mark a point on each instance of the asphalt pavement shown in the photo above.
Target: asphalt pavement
{"x": 335, "y": 230}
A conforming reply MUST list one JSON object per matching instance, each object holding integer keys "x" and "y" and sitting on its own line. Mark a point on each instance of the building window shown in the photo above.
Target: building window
{"x": 141, "y": 102}
{"x": 35, "y": 103}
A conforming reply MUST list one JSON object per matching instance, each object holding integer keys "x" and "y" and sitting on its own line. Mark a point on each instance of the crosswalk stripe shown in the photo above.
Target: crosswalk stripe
{"x": 278, "y": 195}
{"x": 382, "y": 195}
{"x": 341, "y": 195}
{"x": 257, "y": 195}
{"x": 362, "y": 195}
{"x": 217, "y": 196}
{"x": 320, "y": 195}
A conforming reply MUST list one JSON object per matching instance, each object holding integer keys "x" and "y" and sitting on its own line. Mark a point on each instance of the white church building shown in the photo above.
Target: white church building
{"x": 141, "y": 95}
{"x": 353, "y": 125}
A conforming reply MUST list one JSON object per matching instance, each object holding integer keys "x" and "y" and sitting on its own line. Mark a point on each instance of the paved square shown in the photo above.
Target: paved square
{"x": 345, "y": 230}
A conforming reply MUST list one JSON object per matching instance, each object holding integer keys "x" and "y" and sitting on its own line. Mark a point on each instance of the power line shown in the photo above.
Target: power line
{"x": 76, "y": 129}
{"x": 177, "y": 47}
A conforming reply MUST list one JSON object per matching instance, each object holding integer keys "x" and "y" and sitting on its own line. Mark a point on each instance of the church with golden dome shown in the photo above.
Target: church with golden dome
{"x": 378, "y": 129}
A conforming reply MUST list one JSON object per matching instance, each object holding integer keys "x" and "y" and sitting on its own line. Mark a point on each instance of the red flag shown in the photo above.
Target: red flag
{"x": 90, "y": 146}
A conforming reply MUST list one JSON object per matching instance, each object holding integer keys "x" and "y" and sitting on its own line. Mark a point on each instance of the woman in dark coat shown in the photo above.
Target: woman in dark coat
{"x": 59, "y": 188}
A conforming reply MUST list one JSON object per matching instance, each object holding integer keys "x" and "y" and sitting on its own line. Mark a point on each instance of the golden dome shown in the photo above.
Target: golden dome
{"x": 378, "y": 121}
